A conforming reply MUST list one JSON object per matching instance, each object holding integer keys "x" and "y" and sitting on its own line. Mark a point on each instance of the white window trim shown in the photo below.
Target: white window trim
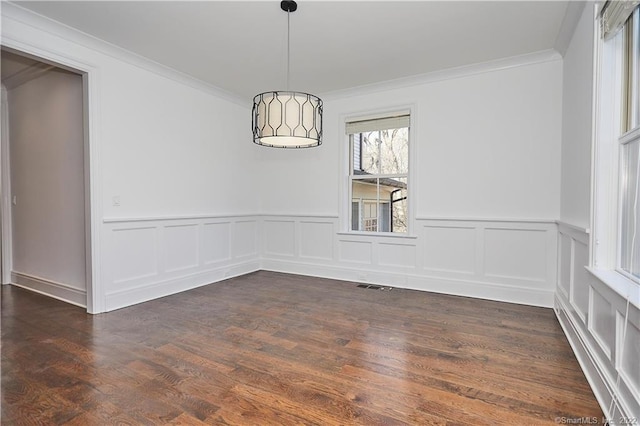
{"x": 605, "y": 168}
{"x": 345, "y": 169}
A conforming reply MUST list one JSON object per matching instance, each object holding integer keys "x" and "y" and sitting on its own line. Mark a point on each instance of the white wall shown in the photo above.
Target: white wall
{"x": 169, "y": 148}
{"x": 486, "y": 145}
{"x": 577, "y": 93}
{"x": 198, "y": 202}
{"x": 486, "y": 159}
{"x": 486, "y": 167}
{"x": 593, "y": 314}
{"x": 47, "y": 182}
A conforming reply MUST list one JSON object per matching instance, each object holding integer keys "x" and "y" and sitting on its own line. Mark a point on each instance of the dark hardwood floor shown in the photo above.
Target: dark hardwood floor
{"x": 270, "y": 348}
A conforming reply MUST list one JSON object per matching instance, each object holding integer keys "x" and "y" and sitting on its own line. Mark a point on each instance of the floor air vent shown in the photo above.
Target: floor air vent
{"x": 375, "y": 287}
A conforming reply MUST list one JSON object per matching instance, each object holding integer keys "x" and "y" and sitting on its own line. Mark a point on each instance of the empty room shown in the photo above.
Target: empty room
{"x": 320, "y": 212}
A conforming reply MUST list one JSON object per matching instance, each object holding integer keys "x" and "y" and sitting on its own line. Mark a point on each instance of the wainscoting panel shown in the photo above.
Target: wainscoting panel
{"x": 579, "y": 287}
{"x": 245, "y": 238}
{"x": 216, "y": 242}
{"x": 135, "y": 253}
{"x": 316, "y": 240}
{"x": 147, "y": 258}
{"x": 516, "y": 254}
{"x": 181, "y": 247}
{"x": 450, "y": 249}
{"x": 397, "y": 255}
{"x": 629, "y": 345}
{"x": 564, "y": 258}
{"x": 601, "y": 325}
{"x": 356, "y": 251}
{"x": 448, "y": 256}
{"x": 279, "y": 237}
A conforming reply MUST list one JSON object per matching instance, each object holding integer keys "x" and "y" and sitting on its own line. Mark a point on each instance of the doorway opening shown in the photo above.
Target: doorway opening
{"x": 44, "y": 172}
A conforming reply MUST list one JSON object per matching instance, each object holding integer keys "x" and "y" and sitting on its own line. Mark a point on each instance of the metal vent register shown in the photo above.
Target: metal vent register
{"x": 375, "y": 287}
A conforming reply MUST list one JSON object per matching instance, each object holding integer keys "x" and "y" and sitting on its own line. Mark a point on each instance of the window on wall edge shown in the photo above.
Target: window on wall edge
{"x": 378, "y": 178}
{"x": 616, "y": 222}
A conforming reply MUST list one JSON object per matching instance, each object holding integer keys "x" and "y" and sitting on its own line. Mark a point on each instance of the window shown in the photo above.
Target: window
{"x": 378, "y": 173}
{"x": 629, "y": 259}
{"x": 616, "y": 222}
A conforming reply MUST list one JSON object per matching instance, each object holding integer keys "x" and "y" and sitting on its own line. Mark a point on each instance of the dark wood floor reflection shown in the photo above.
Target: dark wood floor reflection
{"x": 270, "y": 348}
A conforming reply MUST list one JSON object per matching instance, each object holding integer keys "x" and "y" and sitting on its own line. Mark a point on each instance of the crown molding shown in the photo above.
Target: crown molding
{"x": 447, "y": 74}
{"x": 13, "y": 11}
{"x": 569, "y": 24}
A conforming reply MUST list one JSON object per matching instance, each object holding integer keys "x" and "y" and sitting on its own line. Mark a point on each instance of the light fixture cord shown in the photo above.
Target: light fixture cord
{"x": 288, "y": 47}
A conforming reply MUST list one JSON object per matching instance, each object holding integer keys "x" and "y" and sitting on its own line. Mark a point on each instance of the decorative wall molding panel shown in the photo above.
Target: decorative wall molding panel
{"x": 602, "y": 328}
{"x": 150, "y": 258}
{"x": 511, "y": 261}
{"x": 64, "y": 292}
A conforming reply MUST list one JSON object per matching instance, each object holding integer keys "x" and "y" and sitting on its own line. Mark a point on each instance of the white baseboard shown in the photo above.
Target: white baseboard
{"x": 603, "y": 392}
{"x": 50, "y": 288}
{"x": 457, "y": 287}
{"x": 144, "y": 293}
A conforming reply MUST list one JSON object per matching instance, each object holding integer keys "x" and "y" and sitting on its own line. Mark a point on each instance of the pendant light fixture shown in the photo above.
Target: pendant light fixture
{"x": 286, "y": 119}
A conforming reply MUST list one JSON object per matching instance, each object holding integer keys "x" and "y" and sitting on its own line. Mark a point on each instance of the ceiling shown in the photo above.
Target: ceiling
{"x": 240, "y": 46}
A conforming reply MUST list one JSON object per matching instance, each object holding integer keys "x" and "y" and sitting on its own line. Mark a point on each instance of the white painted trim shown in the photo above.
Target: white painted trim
{"x": 6, "y": 254}
{"x": 296, "y": 215}
{"x": 590, "y": 367}
{"x": 630, "y": 136}
{"x": 144, "y": 293}
{"x": 57, "y": 290}
{"x": 595, "y": 129}
{"x": 43, "y": 23}
{"x": 451, "y": 286}
{"x": 623, "y": 286}
{"x": 357, "y": 234}
{"x": 576, "y": 228}
{"x": 488, "y": 219}
{"x": 575, "y": 232}
{"x": 599, "y": 360}
{"x": 93, "y": 178}
{"x": 176, "y": 217}
{"x": 448, "y": 74}
{"x": 568, "y": 26}
{"x": 92, "y": 190}
{"x": 605, "y": 155}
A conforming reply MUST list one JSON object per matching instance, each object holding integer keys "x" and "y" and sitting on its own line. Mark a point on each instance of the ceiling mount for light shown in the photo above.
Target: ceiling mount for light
{"x": 288, "y": 6}
{"x": 287, "y": 119}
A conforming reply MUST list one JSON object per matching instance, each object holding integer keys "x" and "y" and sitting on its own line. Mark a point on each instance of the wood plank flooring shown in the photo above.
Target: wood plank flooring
{"x": 277, "y": 349}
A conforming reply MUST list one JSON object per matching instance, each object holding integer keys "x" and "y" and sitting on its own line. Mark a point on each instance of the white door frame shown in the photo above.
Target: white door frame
{"x": 93, "y": 206}
{"x": 6, "y": 255}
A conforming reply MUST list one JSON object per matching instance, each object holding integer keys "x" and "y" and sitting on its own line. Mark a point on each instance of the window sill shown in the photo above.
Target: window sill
{"x": 378, "y": 234}
{"x": 622, "y": 285}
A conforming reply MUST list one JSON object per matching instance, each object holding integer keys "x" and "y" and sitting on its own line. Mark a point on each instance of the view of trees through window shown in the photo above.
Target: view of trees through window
{"x": 380, "y": 160}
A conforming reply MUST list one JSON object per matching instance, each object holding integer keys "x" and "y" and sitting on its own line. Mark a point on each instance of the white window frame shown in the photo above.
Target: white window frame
{"x": 607, "y": 144}
{"x": 346, "y": 168}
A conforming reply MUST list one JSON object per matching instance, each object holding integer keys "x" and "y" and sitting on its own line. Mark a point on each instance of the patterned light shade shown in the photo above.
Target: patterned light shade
{"x": 287, "y": 120}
